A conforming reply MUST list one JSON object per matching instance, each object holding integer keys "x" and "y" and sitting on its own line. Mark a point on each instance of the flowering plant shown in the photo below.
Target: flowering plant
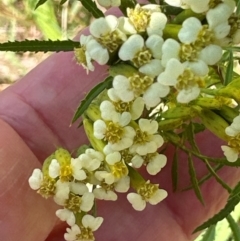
{"x": 171, "y": 76}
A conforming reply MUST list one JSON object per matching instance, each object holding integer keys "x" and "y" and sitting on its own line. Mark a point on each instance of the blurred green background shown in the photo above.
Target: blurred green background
{"x": 19, "y": 21}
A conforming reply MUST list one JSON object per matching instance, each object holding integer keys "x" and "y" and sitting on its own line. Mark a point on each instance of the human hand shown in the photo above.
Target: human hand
{"x": 36, "y": 113}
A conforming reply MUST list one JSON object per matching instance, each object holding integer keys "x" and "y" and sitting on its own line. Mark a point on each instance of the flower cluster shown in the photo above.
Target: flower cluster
{"x": 150, "y": 70}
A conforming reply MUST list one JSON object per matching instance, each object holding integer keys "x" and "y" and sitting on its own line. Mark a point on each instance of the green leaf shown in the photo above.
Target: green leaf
{"x": 39, "y": 46}
{"x": 194, "y": 180}
{"x": 62, "y": 2}
{"x": 229, "y": 207}
{"x": 46, "y": 19}
{"x": 175, "y": 170}
{"x": 40, "y": 2}
{"x": 234, "y": 227}
{"x": 229, "y": 70}
{"x": 206, "y": 177}
{"x": 107, "y": 83}
{"x": 210, "y": 234}
{"x": 238, "y": 8}
{"x": 92, "y": 8}
{"x": 127, "y": 4}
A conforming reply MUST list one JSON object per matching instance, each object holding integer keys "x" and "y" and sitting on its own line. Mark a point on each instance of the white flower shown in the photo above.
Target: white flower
{"x": 36, "y": 179}
{"x": 122, "y": 185}
{"x": 154, "y": 93}
{"x": 91, "y": 159}
{"x": 155, "y": 162}
{"x": 185, "y": 78}
{"x": 72, "y": 233}
{"x": 135, "y": 108}
{"x": 66, "y": 215}
{"x": 142, "y": 54}
{"x": 115, "y": 131}
{"x": 139, "y": 203}
{"x": 109, "y": 3}
{"x": 105, "y": 176}
{"x": 74, "y": 169}
{"x": 91, "y": 222}
{"x": 106, "y": 31}
{"x": 147, "y": 18}
{"x": 147, "y": 140}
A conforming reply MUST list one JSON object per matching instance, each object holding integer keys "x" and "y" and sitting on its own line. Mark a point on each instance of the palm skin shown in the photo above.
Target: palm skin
{"x": 36, "y": 113}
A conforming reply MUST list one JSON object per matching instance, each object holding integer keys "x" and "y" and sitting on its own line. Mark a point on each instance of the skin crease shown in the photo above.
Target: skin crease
{"x": 35, "y": 116}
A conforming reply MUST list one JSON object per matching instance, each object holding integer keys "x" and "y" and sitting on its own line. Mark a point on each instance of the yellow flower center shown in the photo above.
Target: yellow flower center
{"x": 140, "y": 18}
{"x": 119, "y": 169}
{"x": 111, "y": 41}
{"x": 234, "y": 142}
{"x": 139, "y": 83}
{"x": 73, "y": 202}
{"x": 147, "y": 190}
{"x": 114, "y": 132}
{"x": 47, "y": 187}
{"x": 142, "y": 57}
{"x": 188, "y": 79}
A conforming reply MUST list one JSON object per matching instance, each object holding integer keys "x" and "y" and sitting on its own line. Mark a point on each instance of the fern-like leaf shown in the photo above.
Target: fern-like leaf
{"x": 39, "y": 46}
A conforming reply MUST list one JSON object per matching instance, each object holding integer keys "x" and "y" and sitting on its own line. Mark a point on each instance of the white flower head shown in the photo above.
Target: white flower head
{"x": 147, "y": 140}
{"x": 116, "y": 131}
{"x": 148, "y": 18}
{"x": 152, "y": 194}
{"x": 142, "y": 53}
{"x": 81, "y": 54}
{"x": 91, "y": 159}
{"x": 107, "y": 33}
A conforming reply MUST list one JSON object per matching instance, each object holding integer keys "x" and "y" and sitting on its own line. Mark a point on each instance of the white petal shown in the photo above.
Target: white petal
{"x": 189, "y": 31}
{"x": 137, "y": 161}
{"x": 155, "y": 165}
{"x": 113, "y": 158}
{"x": 185, "y": 96}
{"x": 128, "y": 50}
{"x": 156, "y": 24}
{"x": 123, "y": 184}
{"x": 137, "y": 108}
{"x": 99, "y": 128}
{"x": 125, "y": 26}
{"x": 149, "y": 126}
{"x": 36, "y": 179}
{"x": 89, "y": 221}
{"x": 170, "y": 49}
{"x": 211, "y": 54}
{"x": 78, "y": 188}
{"x": 136, "y": 200}
{"x": 87, "y": 201}
{"x": 230, "y": 153}
{"x": 54, "y": 169}
{"x": 153, "y": 68}
{"x": 154, "y": 43}
{"x": 66, "y": 215}
{"x": 158, "y": 196}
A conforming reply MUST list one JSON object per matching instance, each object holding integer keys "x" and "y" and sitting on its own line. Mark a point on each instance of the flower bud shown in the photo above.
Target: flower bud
{"x": 96, "y": 143}
{"x": 93, "y": 112}
{"x": 215, "y": 123}
{"x": 169, "y": 124}
{"x": 63, "y": 156}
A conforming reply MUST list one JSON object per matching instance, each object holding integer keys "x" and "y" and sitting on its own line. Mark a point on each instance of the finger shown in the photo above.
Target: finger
{"x": 23, "y": 214}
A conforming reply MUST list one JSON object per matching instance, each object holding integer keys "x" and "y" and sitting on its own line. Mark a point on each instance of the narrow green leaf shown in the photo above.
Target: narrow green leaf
{"x": 40, "y": 2}
{"x": 238, "y": 8}
{"x": 229, "y": 70}
{"x": 107, "y": 83}
{"x": 234, "y": 227}
{"x": 229, "y": 207}
{"x": 235, "y": 192}
{"x": 210, "y": 234}
{"x": 92, "y": 8}
{"x": 175, "y": 170}
{"x": 194, "y": 180}
{"x": 127, "y": 4}
{"x": 205, "y": 178}
{"x": 39, "y": 46}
